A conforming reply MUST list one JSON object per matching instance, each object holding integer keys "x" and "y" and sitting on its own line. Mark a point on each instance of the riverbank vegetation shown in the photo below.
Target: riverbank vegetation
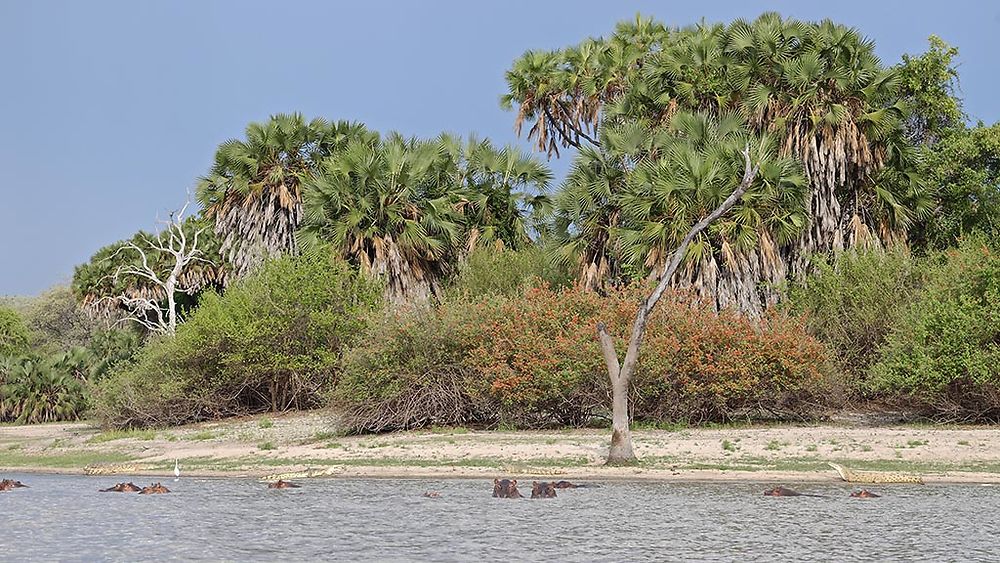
{"x": 408, "y": 283}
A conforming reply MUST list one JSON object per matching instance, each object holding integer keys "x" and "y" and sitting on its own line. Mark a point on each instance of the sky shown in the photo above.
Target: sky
{"x": 111, "y": 110}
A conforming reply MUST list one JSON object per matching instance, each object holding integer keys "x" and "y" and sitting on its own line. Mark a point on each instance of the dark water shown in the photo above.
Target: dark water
{"x": 65, "y": 518}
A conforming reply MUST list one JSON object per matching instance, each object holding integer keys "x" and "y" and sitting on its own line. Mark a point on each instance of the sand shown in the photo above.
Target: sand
{"x": 260, "y": 446}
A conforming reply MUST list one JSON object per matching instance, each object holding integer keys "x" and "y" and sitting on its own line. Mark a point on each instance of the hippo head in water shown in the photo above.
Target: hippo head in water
{"x": 282, "y": 484}
{"x": 123, "y": 488}
{"x": 543, "y": 490}
{"x": 506, "y": 488}
{"x": 781, "y": 492}
{"x": 156, "y": 489}
{"x": 864, "y": 493}
{"x": 10, "y": 484}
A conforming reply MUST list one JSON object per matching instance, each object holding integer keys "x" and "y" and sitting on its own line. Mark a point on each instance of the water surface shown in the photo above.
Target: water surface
{"x": 65, "y": 518}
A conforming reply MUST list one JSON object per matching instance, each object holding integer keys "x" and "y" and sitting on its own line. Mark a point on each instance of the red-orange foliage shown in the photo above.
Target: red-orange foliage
{"x": 533, "y": 360}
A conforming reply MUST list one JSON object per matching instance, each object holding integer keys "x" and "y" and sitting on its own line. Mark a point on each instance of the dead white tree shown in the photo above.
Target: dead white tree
{"x": 171, "y": 241}
{"x": 621, "y": 452}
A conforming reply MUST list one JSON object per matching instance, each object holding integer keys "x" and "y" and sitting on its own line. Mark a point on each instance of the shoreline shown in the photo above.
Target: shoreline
{"x": 649, "y": 476}
{"x": 261, "y": 446}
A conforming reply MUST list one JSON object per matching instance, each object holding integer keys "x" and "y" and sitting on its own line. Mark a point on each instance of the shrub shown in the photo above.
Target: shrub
{"x": 853, "y": 302}
{"x": 13, "y": 333}
{"x": 56, "y": 322}
{"x": 944, "y": 356}
{"x": 702, "y": 366}
{"x": 532, "y": 360}
{"x": 488, "y": 271}
{"x": 409, "y": 371}
{"x": 271, "y": 343}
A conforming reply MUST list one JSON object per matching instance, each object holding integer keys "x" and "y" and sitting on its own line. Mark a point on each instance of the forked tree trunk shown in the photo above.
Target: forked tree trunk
{"x": 621, "y": 452}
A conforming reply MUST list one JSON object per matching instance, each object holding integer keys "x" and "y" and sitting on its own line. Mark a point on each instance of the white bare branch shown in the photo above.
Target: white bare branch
{"x": 173, "y": 242}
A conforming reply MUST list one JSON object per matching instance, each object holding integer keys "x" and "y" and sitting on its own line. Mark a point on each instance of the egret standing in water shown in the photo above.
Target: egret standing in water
{"x": 177, "y": 471}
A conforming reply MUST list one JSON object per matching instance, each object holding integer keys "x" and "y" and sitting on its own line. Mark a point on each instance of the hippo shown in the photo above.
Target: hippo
{"x": 157, "y": 489}
{"x": 123, "y": 488}
{"x": 282, "y": 484}
{"x": 543, "y": 490}
{"x": 780, "y": 491}
{"x": 864, "y": 493}
{"x": 506, "y": 488}
{"x": 568, "y": 485}
{"x": 10, "y": 484}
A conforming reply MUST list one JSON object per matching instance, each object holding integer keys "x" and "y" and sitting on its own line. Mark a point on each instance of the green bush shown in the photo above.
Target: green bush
{"x": 488, "y": 271}
{"x": 56, "y": 322}
{"x": 852, "y": 303}
{"x": 532, "y": 360}
{"x": 271, "y": 343}
{"x": 944, "y": 356}
{"x": 13, "y": 333}
{"x": 409, "y": 370}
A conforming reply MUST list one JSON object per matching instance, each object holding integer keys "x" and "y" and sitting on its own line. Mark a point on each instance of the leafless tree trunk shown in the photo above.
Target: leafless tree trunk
{"x": 172, "y": 241}
{"x": 621, "y": 452}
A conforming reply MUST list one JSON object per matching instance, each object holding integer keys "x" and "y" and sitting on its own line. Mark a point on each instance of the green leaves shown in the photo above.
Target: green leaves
{"x": 13, "y": 333}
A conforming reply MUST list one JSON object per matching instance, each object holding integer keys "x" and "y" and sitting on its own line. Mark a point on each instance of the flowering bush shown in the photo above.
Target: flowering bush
{"x": 533, "y": 360}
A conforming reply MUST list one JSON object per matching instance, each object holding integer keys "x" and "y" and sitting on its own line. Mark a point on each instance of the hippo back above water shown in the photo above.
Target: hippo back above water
{"x": 282, "y": 484}
{"x": 123, "y": 488}
{"x": 157, "y": 489}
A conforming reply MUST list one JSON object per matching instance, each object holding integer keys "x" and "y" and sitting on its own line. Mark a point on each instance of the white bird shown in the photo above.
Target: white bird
{"x": 177, "y": 471}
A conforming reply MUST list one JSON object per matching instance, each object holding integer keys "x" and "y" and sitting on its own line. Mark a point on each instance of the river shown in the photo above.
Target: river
{"x": 65, "y": 518}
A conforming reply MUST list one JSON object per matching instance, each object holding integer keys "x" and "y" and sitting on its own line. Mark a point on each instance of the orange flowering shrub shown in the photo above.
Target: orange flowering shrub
{"x": 533, "y": 360}
{"x": 698, "y": 365}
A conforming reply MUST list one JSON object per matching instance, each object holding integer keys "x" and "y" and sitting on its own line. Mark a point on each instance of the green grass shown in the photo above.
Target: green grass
{"x": 773, "y": 446}
{"x": 265, "y": 423}
{"x": 963, "y": 442}
{"x": 69, "y": 460}
{"x": 916, "y": 443}
{"x": 728, "y": 446}
{"x": 866, "y": 448}
{"x": 112, "y": 435}
{"x": 266, "y": 446}
{"x": 811, "y": 448}
{"x": 323, "y": 436}
{"x": 204, "y": 435}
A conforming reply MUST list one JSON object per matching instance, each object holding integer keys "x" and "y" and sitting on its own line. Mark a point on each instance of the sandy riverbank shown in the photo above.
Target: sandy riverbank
{"x": 261, "y": 446}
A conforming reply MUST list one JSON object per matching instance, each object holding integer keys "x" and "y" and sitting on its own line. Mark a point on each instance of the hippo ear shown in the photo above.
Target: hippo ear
{"x": 514, "y": 482}
{"x": 534, "y": 483}
{"x": 496, "y": 481}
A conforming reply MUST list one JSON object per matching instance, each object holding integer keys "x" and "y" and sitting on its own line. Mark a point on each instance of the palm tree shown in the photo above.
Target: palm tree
{"x": 634, "y": 200}
{"x": 817, "y": 88}
{"x": 253, "y": 193}
{"x": 407, "y": 210}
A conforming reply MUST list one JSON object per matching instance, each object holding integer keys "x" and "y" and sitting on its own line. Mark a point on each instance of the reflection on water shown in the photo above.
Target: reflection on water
{"x": 65, "y": 518}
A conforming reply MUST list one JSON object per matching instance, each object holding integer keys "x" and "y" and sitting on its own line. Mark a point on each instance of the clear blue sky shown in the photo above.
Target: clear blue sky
{"x": 109, "y": 111}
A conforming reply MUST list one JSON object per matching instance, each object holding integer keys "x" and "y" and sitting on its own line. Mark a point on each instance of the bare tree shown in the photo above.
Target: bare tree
{"x": 621, "y": 452}
{"x": 174, "y": 243}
